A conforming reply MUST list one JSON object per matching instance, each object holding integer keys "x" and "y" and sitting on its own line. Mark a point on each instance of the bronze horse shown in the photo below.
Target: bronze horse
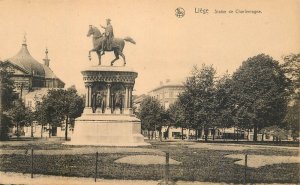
{"x": 118, "y": 45}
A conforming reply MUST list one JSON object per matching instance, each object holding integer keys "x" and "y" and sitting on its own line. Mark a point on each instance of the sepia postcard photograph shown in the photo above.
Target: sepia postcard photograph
{"x": 149, "y": 92}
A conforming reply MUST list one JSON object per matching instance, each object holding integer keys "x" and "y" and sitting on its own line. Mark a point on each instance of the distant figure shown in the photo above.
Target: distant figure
{"x": 109, "y": 36}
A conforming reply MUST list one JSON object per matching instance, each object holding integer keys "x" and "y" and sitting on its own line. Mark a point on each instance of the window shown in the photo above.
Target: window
{"x": 171, "y": 94}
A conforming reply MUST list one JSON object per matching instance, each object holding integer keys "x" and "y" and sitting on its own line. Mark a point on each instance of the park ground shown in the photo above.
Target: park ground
{"x": 212, "y": 163}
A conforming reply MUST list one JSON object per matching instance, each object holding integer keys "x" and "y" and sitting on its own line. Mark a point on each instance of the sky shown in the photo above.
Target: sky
{"x": 167, "y": 46}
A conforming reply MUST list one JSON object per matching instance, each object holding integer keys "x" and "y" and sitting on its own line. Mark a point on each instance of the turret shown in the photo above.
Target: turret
{"x": 46, "y": 59}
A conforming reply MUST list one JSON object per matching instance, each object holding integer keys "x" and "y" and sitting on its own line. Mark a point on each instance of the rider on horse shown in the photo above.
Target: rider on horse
{"x": 108, "y": 35}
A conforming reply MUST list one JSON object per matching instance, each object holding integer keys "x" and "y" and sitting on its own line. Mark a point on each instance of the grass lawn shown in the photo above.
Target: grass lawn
{"x": 197, "y": 164}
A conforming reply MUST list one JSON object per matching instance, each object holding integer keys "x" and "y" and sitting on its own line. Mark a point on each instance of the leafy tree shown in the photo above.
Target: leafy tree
{"x": 177, "y": 116}
{"x": 7, "y": 96}
{"x": 205, "y": 101}
{"x": 151, "y": 115}
{"x": 292, "y": 119}
{"x": 47, "y": 114}
{"x": 198, "y": 98}
{"x": 20, "y": 115}
{"x": 259, "y": 88}
{"x": 188, "y": 105}
{"x": 74, "y": 108}
{"x": 197, "y": 105}
{"x": 291, "y": 68}
{"x": 60, "y": 105}
{"x": 224, "y": 103}
{"x": 7, "y": 87}
{"x": 5, "y": 124}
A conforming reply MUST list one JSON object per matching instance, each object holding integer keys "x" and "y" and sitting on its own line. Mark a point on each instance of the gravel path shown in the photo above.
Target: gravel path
{"x": 84, "y": 150}
{"x": 256, "y": 161}
{"x": 145, "y": 160}
{"x": 24, "y": 179}
{"x": 237, "y": 147}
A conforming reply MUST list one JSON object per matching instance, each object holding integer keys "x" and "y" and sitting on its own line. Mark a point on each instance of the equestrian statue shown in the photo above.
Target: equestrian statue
{"x": 107, "y": 42}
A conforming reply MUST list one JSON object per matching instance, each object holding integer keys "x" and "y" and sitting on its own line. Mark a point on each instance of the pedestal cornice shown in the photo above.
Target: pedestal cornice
{"x": 109, "y": 74}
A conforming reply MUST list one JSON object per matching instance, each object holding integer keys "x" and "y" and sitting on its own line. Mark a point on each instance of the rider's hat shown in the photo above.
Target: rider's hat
{"x": 108, "y": 19}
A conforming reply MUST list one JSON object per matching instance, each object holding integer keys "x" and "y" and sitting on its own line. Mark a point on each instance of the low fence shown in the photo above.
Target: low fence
{"x": 166, "y": 175}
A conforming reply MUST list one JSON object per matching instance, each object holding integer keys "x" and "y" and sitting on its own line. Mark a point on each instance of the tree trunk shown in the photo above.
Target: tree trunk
{"x": 196, "y": 134}
{"x": 248, "y": 134}
{"x": 155, "y": 131}
{"x": 31, "y": 132}
{"x": 237, "y": 135}
{"x": 206, "y": 134}
{"x": 224, "y": 135}
{"x": 149, "y": 135}
{"x": 213, "y": 133}
{"x": 18, "y": 135}
{"x": 255, "y": 133}
{"x": 160, "y": 135}
{"x": 50, "y": 129}
{"x": 234, "y": 134}
{"x": 206, "y": 138}
{"x": 66, "y": 129}
{"x": 200, "y": 133}
{"x": 42, "y": 130}
{"x": 182, "y": 133}
{"x": 262, "y": 136}
{"x": 167, "y": 133}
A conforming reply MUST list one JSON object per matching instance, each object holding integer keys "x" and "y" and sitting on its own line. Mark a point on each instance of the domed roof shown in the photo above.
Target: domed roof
{"x": 48, "y": 72}
{"x": 24, "y": 60}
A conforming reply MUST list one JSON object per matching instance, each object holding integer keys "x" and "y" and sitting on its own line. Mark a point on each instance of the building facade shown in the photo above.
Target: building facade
{"x": 32, "y": 80}
{"x": 167, "y": 92}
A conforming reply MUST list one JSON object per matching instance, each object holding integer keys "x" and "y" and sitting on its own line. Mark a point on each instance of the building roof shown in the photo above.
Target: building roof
{"x": 27, "y": 63}
{"x": 24, "y": 60}
{"x": 48, "y": 72}
{"x": 169, "y": 83}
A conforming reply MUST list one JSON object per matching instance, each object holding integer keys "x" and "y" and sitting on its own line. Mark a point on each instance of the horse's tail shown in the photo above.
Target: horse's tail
{"x": 129, "y": 39}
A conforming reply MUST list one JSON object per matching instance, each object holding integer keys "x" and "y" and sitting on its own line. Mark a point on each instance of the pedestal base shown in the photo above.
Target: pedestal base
{"x": 87, "y": 110}
{"x": 107, "y": 130}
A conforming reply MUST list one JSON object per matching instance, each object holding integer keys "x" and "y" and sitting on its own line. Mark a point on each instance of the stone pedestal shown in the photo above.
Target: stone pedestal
{"x": 107, "y": 130}
{"x": 108, "y": 118}
{"x": 87, "y": 110}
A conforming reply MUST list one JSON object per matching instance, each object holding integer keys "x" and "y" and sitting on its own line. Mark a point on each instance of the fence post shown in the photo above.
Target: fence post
{"x": 245, "y": 174}
{"x": 31, "y": 162}
{"x": 96, "y": 168}
{"x": 167, "y": 168}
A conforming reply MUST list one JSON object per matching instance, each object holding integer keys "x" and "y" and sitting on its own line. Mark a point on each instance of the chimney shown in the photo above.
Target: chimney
{"x": 46, "y": 59}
